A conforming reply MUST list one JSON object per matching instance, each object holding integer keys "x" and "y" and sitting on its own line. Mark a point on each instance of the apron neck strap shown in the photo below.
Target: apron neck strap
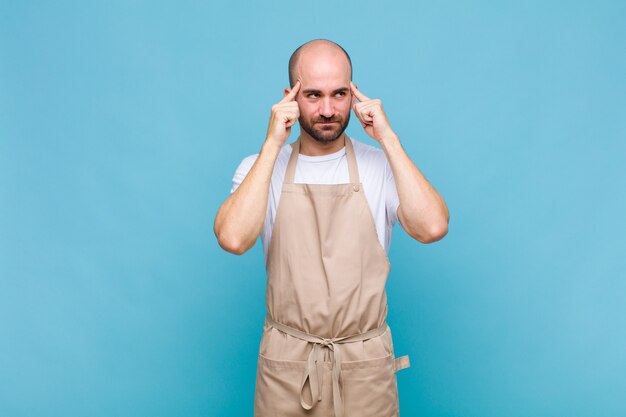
{"x": 295, "y": 151}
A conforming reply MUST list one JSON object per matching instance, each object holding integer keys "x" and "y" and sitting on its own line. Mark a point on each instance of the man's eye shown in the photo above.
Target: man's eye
{"x": 342, "y": 93}
{"x": 312, "y": 94}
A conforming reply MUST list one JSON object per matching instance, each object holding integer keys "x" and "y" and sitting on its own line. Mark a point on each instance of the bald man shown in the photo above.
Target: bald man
{"x": 325, "y": 206}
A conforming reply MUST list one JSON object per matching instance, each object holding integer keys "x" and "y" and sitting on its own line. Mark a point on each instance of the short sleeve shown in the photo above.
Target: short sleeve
{"x": 242, "y": 170}
{"x": 391, "y": 195}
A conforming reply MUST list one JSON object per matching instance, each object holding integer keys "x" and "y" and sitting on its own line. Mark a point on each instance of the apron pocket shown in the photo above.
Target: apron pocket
{"x": 370, "y": 387}
{"x": 277, "y": 392}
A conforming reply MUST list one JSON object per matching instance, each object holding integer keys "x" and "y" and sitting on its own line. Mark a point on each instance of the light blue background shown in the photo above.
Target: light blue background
{"x": 121, "y": 125}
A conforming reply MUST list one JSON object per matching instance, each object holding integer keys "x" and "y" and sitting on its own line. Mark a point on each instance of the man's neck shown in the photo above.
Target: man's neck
{"x": 312, "y": 147}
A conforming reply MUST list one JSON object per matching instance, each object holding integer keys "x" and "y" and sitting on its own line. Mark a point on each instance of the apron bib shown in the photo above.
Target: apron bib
{"x": 326, "y": 349}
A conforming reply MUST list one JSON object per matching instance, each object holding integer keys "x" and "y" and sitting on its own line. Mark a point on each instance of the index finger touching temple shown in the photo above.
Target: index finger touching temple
{"x": 357, "y": 93}
{"x": 294, "y": 91}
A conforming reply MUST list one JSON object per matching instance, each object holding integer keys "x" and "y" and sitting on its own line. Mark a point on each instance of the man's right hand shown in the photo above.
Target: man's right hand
{"x": 284, "y": 114}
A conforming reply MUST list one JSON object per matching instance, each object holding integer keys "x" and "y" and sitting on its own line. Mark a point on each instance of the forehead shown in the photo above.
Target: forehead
{"x": 323, "y": 69}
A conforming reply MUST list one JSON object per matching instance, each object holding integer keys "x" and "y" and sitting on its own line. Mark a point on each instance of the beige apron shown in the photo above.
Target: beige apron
{"x": 326, "y": 349}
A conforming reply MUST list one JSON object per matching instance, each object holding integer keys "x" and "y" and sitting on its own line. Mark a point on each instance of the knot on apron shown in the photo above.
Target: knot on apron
{"x": 327, "y": 342}
{"x": 314, "y": 370}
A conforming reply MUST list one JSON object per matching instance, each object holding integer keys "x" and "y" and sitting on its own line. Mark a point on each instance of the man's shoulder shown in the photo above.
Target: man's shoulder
{"x": 246, "y": 163}
{"x": 249, "y": 160}
{"x": 367, "y": 153}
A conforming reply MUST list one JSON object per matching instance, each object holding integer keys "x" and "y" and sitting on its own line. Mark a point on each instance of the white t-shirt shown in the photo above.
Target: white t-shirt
{"x": 374, "y": 173}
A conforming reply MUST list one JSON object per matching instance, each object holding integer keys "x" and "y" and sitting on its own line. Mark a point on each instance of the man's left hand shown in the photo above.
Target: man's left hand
{"x": 371, "y": 115}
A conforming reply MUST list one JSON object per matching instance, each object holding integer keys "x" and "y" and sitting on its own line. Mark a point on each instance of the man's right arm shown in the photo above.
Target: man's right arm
{"x": 240, "y": 218}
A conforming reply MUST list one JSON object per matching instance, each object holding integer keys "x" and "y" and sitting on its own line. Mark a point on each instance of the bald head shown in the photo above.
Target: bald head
{"x": 312, "y": 52}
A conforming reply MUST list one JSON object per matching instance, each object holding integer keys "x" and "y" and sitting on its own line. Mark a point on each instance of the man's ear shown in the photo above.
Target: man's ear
{"x": 287, "y": 91}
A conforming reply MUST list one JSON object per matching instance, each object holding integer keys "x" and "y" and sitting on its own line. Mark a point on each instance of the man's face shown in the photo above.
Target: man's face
{"x": 324, "y": 98}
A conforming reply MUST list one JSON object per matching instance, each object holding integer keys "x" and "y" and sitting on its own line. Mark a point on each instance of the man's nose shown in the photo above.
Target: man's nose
{"x": 326, "y": 108}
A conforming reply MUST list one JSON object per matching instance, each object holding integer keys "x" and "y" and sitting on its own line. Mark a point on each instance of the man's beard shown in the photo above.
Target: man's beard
{"x": 323, "y": 135}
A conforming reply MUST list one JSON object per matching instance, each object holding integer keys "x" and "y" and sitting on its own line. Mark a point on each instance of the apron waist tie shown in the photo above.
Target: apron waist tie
{"x": 315, "y": 362}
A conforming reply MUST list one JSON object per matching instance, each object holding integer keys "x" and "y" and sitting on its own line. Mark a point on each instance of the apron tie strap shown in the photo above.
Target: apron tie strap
{"x": 314, "y": 371}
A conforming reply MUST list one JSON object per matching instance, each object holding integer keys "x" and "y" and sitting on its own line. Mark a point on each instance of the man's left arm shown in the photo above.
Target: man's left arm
{"x": 422, "y": 212}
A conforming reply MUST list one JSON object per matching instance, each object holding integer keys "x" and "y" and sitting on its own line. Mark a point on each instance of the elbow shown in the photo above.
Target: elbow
{"x": 438, "y": 228}
{"x": 436, "y": 233}
{"x": 425, "y": 232}
{"x": 227, "y": 236}
{"x": 228, "y": 242}
{"x": 232, "y": 245}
